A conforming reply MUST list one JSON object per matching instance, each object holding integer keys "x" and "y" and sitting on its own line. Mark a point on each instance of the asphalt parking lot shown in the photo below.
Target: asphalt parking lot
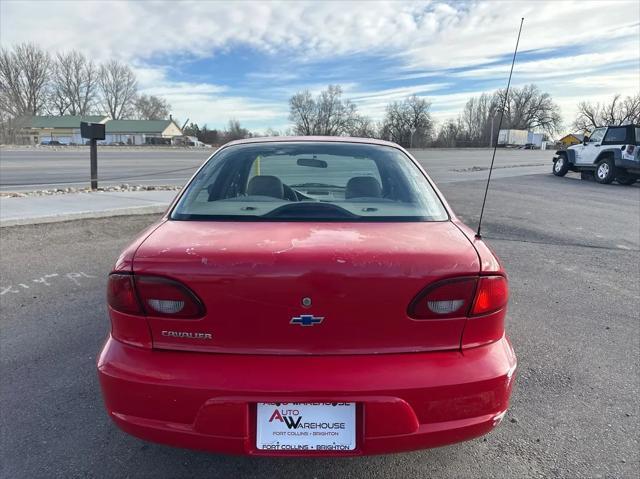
{"x": 571, "y": 248}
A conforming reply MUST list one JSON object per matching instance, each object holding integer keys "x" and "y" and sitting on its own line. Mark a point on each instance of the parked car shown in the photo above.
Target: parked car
{"x": 307, "y": 296}
{"x": 51, "y": 143}
{"x": 611, "y": 153}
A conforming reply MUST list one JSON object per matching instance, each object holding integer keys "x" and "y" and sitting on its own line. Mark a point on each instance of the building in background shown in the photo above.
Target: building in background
{"x": 61, "y": 129}
{"x": 65, "y": 130}
{"x": 141, "y": 132}
{"x": 571, "y": 139}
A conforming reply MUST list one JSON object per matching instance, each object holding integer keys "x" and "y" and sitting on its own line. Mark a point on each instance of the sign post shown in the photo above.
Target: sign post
{"x": 412, "y": 130}
{"x": 93, "y": 132}
{"x": 94, "y": 163}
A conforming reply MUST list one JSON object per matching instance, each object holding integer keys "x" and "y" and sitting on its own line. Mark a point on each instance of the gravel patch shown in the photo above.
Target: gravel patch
{"x": 64, "y": 191}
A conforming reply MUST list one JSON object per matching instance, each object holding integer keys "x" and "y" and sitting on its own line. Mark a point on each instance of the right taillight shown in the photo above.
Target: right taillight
{"x": 460, "y": 297}
{"x": 443, "y": 300}
{"x": 492, "y": 294}
{"x": 479, "y": 301}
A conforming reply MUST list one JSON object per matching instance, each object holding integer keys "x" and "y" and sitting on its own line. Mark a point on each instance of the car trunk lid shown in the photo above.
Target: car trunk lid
{"x": 265, "y": 285}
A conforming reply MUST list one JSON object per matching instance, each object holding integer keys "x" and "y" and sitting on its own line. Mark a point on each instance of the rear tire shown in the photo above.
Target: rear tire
{"x": 560, "y": 166}
{"x": 626, "y": 180}
{"x": 605, "y": 171}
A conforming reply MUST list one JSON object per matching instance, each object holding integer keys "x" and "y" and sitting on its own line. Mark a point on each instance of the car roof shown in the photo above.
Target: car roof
{"x": 326, "y": 139}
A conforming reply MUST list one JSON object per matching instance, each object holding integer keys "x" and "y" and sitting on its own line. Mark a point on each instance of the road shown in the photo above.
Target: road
{"x": 571, "y": 248}
{"x": 43, "y": 168}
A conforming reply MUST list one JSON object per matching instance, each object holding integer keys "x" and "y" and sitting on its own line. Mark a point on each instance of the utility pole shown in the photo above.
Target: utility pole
{"x": 495, "y": 114}
{"x": 491, "y": 137}
{"x": 412, "y": 130}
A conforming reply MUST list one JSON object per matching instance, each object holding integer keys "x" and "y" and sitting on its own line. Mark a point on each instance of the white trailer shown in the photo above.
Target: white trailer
{"x": 535, "y": 139}
{"x": 513, "y": 137}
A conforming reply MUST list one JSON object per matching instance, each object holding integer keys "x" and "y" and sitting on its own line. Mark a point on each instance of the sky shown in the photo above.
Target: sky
{"x": 214, "y": 61}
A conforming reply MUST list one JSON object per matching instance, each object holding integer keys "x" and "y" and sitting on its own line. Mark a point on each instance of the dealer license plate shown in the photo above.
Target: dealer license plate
{"x": 306, "y": 426}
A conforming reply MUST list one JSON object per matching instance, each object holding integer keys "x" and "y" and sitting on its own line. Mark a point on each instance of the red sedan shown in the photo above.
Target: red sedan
{"x": 307, "y": 296}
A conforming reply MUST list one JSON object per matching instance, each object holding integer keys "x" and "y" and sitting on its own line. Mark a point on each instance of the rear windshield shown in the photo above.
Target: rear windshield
{"x": 310, "y": 181}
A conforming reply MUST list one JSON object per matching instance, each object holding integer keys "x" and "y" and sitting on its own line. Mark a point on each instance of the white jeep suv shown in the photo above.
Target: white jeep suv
{"x": 611, "y": 153}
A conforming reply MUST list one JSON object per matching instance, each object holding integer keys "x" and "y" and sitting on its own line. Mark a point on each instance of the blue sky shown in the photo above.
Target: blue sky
{"x": 219, "y": 60}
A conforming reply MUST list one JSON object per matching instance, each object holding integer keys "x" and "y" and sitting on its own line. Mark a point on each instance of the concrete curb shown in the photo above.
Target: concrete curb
{"x": 134, "y": 210}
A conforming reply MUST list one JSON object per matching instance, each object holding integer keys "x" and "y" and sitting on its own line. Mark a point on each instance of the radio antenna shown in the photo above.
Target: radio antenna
{"x": 495, "y": 145}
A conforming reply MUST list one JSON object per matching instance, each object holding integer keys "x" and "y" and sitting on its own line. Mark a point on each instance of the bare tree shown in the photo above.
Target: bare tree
{"x": 450, "y": 135}
{"x": 528, "y": 108}
{"x": 327, "y": 115}
{"x": 408, "y": 122}
{"x": 616, "y": 112}
{"x": 235, "y": 131}
{"x": 272, "y": 132}
{"x": 302, "y": 112}
{"x": 475, "y": 122}
{"x": 150, "y": 107}
{"x": 74, "y": 84}
{"x": 335, "y": 116}
{"x": 24, "y": 75}
{"x": 362, "y": 127}
{"x": 118, "y": 88}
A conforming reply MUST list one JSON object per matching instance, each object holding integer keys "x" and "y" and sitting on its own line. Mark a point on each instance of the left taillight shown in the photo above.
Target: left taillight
{"x": 121, "y": 294}
{"x": 165, "y": 297}
{"x": 152, "y": 296}
{"x": 133, "y": 298}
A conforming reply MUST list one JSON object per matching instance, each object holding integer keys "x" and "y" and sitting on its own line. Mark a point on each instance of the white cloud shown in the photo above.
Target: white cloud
{"x": 558, "y": 66}
{"x": 374, "y": 103}
{"x": 426, "y": 38}
{"x": 426, "y": 34}
{"x": 208, "y": 103}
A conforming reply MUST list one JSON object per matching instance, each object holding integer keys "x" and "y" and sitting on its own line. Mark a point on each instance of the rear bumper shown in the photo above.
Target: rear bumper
{"x": 631, "y": 165}
{"x": 404, "y": 401}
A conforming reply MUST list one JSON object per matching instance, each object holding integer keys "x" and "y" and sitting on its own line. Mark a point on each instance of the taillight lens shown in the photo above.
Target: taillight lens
{"x": 492, "y": 294}
{"x": 461, "y": 297}
{"x": 153, "y": 295}
{"x": 121, "y": 294}
{"x": 447, "y": 299}
{"x": 167, "y": 298}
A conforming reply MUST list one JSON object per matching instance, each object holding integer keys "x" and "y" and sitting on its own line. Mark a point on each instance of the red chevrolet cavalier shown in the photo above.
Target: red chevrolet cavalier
{"x": 307, "y": 296}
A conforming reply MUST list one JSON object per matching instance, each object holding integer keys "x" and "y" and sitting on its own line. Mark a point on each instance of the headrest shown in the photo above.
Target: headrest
{"x": 265, "y": 185}
{"x": 363, "y": 186}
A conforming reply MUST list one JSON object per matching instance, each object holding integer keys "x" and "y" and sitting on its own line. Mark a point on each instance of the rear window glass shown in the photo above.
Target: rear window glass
{"x": 616, "y": 135}
{"x": 310, "y": 181}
